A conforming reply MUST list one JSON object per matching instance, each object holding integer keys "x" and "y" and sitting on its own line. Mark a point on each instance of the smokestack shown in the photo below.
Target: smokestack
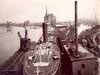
{"x": 44, "y": 29}
{"x": 76, "y": 22}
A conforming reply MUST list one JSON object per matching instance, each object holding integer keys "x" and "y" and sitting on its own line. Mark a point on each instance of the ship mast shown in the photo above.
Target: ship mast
{"x": 46, "y": 15}
{"x": 76, "y": 30}
{"x": 46, "y": 11}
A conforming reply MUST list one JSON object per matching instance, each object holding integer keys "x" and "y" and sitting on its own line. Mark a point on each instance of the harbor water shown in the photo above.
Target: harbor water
{"x": 10, "y": 43}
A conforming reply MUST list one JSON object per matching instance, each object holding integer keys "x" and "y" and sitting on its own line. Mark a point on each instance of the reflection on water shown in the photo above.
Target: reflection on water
{"x": 9, "y": 41}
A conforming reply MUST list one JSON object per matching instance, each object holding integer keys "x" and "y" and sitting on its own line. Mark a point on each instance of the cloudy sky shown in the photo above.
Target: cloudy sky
{"x": 34, "y": 10}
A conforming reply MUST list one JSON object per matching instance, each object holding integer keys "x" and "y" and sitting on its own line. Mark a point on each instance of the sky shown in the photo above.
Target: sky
{"x": 34, "y": 10}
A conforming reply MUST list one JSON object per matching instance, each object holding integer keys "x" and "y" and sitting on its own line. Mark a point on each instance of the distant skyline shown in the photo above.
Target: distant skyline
{"x": 34, "y": 10}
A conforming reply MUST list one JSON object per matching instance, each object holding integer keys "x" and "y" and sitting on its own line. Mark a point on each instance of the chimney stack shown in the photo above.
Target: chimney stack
{"x": 76, "y": 22}
{"x": 45, "y": 33}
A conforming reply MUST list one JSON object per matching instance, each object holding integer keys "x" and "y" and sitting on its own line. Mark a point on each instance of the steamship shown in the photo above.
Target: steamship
{"x": 45, "y": 58}
{"x": 56, "y": 53}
